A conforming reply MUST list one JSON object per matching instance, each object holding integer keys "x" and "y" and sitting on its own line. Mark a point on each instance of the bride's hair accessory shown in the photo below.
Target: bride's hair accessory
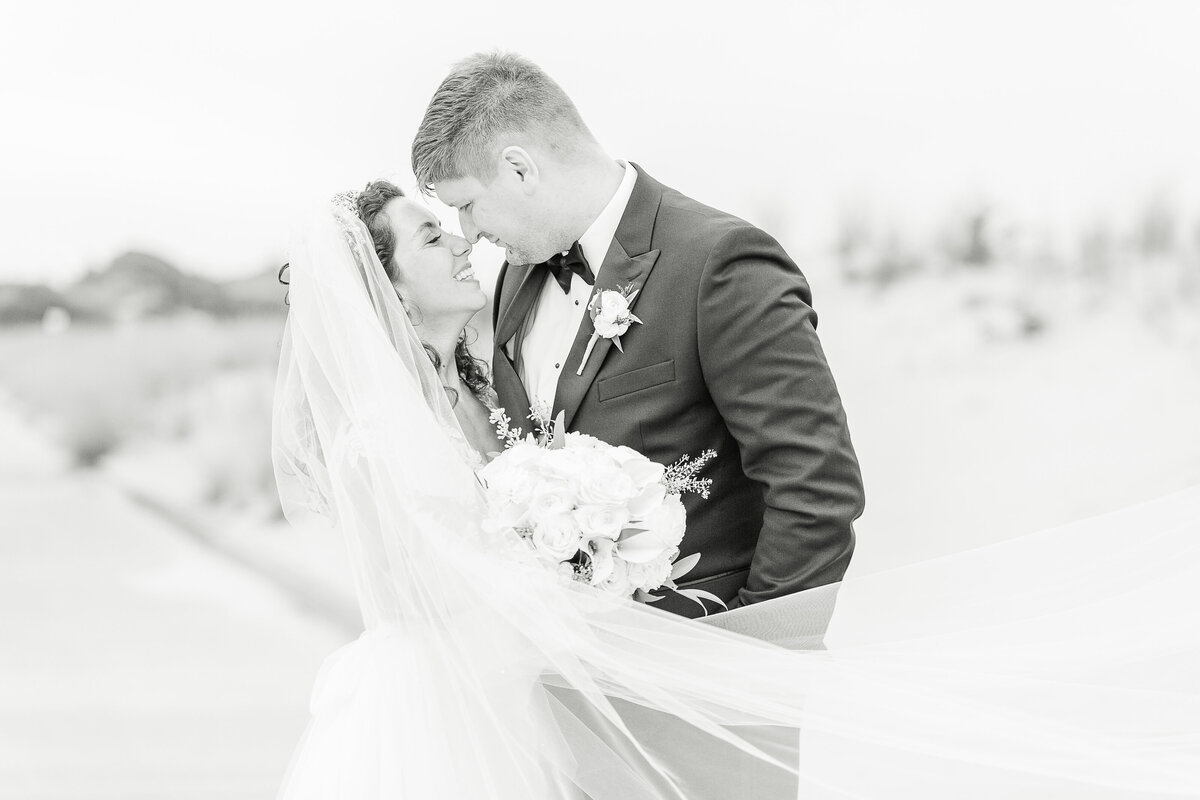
{"x": 347, "y": 201}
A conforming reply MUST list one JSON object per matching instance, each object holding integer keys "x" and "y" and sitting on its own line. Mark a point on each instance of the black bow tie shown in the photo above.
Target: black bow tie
{"x": 561, "y": 265}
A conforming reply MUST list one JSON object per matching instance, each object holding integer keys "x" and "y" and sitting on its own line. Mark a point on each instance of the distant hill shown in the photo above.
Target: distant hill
{"x": 258, "y": 293}
{"x": 139, "y": 285}
{"x": 22, "y": 304}
{"x": 136, "y": 285}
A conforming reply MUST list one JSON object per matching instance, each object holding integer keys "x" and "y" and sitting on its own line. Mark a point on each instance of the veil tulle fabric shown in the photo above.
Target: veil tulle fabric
{"x": 1064, "y": 664}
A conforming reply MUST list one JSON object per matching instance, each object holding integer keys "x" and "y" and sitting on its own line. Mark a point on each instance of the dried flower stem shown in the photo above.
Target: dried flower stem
{"x": 680, "y": 477}
{"x": 503, "y": 430}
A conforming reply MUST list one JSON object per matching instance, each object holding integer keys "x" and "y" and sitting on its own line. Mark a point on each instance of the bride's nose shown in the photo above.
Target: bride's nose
{"x": 461, "y": 246}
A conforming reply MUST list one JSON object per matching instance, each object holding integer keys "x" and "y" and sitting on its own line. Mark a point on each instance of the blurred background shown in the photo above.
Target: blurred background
{"x": 997, "y": 205}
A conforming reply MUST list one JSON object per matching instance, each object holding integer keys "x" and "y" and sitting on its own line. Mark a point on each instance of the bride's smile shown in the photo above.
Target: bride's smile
{"x": 431, "y": 267}
{"x": 431, "y": 271}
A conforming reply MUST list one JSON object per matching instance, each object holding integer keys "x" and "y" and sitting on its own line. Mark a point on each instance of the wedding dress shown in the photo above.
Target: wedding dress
{"x": 1063, "y": 664}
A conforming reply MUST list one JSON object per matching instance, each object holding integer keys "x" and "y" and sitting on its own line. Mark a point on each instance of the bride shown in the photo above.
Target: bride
{"x": 482, "y": 675}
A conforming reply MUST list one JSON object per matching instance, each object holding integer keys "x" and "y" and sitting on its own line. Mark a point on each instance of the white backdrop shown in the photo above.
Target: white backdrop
{"x": 198, "y": 130}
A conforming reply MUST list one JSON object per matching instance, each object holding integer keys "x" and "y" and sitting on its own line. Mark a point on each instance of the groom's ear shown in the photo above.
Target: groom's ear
{"x": 520, "y": 167}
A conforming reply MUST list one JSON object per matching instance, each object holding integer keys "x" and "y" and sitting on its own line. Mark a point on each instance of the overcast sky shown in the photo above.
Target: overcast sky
{"x": 202, "y": 130}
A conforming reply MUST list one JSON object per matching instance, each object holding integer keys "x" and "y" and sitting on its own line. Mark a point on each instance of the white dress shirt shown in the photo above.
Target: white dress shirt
{"x": 550, "y": 328}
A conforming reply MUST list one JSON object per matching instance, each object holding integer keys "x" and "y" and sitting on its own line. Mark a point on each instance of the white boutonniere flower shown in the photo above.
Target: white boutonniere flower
{"x": 611, "y": 318}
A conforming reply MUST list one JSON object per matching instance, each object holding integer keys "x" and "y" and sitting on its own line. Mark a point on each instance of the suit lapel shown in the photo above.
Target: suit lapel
{"x": 515, "y": 307}
{"x": 628, "y": 263}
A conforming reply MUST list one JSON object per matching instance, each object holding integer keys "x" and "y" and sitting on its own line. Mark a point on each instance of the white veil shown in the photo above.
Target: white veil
{"x": 1062, "y": 665}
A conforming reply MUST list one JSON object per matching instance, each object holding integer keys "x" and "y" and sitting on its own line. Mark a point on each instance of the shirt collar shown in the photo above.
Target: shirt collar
{"x": 598, "y": 238}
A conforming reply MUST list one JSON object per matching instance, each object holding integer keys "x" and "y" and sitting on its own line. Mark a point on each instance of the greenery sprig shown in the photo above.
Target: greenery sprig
{"x": 503, "y": 425}
{"x": 681, "y": 477}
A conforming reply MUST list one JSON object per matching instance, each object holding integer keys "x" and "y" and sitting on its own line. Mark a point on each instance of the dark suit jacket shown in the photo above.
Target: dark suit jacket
{"x": 726, "y": 358}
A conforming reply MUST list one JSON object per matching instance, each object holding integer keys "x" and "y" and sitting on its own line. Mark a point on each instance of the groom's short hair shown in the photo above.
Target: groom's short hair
{"x": 486, "y": 95}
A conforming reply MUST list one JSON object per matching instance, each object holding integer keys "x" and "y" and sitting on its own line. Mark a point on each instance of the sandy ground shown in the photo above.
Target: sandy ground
{"x": 969, "y": 434}
{"x": 135, "y": 663}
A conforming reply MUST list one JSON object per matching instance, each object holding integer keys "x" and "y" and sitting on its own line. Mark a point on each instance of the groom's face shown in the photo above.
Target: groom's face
{"x": 506, "y": 211}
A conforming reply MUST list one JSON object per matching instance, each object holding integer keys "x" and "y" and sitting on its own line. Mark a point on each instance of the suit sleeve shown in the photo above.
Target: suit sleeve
{"x": 768, "y": 377}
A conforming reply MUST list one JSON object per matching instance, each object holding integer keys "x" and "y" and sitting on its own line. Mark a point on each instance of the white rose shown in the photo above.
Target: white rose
{"x": 617, "y": 581}
{"x": 509, "y": 486}
{"x": 581, "y": 441}
{"x": 601, "y": 521}
{"x": 668, "y": 521}
{"x": 598, "y": 459}
{"x": 550, "y": 498}
{"x": 649, "y": 576}
{"x": 606, "y": 486}
{"x": 608, "y": 328}
{"x": 569, "y": 465}
{"x": 556, "y": 537}
{"x": 520, "y": 454}
{"x": 623, "y": 455}
{"x": 613, "y": 303}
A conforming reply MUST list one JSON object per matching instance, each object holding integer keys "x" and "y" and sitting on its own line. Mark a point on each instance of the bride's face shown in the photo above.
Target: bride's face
{"x": 433, "y": 271}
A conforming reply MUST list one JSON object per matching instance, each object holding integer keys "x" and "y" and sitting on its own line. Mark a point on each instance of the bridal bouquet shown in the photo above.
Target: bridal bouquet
{"x": 598, "y": 514}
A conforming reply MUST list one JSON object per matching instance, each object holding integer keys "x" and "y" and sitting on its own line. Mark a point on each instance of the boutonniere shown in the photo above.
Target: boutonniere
{"x": 611, "y": 317}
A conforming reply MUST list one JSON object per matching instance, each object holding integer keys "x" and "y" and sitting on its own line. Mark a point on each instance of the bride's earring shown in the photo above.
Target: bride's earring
{"x": 414, "y": 313}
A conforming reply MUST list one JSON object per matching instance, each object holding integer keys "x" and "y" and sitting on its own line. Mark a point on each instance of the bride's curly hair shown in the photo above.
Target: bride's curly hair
{"x": 471, "y": 371}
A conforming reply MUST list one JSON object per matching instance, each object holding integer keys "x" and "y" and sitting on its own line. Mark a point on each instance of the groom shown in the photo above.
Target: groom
{"x": 725, "y": 355}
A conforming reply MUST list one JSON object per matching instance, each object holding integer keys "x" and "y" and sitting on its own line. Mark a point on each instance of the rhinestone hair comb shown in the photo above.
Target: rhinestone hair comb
{"x": 347, "y": 201}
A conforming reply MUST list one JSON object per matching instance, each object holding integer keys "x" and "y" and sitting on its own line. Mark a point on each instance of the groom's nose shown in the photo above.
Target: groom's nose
{"x": 470, "y": 232}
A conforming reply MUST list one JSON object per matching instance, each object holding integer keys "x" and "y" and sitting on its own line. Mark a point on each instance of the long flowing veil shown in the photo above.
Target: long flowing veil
{"x": 1061, "y": 665}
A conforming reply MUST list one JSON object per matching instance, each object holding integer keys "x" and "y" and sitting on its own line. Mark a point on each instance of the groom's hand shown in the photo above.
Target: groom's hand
{"x": 767, "y": 374}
